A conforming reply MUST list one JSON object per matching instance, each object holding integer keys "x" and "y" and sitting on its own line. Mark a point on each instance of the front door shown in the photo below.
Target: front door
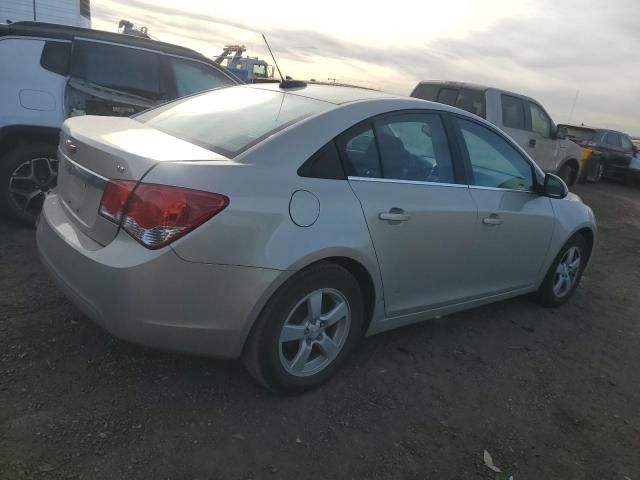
{"x": 421, "y": 221}
{"x": 514, "y": 224}
{"x": 544, "y": 149}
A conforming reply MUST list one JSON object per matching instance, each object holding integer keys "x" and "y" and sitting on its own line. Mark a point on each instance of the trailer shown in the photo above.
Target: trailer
{"x": 76, "y": 13}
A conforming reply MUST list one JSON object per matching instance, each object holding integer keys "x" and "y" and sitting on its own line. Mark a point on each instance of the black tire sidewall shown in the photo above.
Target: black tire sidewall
{"x": 9, "y": 162}
{"x": 327, "y": 275}
{"x": 546, "y": 294}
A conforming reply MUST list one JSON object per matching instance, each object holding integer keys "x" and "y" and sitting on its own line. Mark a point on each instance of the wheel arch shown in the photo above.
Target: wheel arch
{"x": 15, "y": 135}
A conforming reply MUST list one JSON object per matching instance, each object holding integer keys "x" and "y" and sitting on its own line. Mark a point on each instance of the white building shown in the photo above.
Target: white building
{"x": 65, "y": 12}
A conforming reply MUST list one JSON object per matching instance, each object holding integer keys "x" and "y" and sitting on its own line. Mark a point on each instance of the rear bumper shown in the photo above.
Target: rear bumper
{"x": 153, "y": 297}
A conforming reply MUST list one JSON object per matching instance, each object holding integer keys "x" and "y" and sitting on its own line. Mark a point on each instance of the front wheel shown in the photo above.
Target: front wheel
{"x": 568, "y": 174}
{"x": 565, "y": 273}
{"x": 306, "y": 330}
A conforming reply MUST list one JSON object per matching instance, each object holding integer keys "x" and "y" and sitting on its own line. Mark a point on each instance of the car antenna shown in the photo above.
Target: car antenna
{"x": 284, "y": 82}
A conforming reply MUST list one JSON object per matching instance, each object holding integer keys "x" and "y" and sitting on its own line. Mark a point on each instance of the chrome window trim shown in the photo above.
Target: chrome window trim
{"x": 479, "y": 187}
{"x": 407, "y": 182}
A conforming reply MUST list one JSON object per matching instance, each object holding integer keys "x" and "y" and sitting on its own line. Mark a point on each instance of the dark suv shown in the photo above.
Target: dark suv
{"x": 52, "y": 72}
{"x": 607, "y": 153}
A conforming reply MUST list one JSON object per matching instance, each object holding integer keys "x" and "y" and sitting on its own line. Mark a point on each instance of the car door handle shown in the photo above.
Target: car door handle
{"x": 394, "y": 215}
{"x": 532, "y": 143}
{"x": 492, "y": 220}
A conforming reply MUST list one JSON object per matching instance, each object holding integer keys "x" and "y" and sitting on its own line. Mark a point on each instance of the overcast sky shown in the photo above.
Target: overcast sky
{"x": 548, "y": 49}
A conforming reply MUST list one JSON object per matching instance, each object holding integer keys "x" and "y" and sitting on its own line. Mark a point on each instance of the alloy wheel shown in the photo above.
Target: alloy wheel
{"x": 314, "y": 332}
{"x": 566, "y": 274}
{"x": 29, "y": 183}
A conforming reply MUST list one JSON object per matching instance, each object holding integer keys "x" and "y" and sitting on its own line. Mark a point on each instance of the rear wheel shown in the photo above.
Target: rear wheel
{"x": 26, "y": 173}
{"x": 306, "y": 330}
{"x": 597, "y": 172}
{"x": 565, "y": 273}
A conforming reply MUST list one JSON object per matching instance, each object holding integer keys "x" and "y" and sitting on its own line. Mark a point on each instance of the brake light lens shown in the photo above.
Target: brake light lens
{"x": 156, "y": 215}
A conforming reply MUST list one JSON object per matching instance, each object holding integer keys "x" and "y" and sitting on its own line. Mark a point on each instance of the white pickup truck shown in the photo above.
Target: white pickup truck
{"x": 521, "y": 117}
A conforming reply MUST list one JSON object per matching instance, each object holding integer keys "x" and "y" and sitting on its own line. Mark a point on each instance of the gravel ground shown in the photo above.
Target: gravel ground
{"x": 550, "y": 393}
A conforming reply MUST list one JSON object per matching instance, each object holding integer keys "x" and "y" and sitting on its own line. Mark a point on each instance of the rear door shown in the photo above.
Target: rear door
{"x": 515, "y": 224}
{"x": 421, "y": 220}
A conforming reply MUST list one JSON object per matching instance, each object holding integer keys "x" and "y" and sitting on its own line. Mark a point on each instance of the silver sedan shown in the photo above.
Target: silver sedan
{"x": 282, "y": 224}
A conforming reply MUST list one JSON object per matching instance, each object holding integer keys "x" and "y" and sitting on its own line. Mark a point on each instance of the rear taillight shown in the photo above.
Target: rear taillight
{"x": 156, "y": 215}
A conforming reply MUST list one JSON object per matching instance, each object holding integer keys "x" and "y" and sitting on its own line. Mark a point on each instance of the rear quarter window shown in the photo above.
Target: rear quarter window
{"x": 55, "y": 57}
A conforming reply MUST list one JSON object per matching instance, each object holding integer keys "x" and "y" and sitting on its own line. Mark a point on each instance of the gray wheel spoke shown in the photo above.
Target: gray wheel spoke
{"x": 292, "y": 332}
{"x": 300, "y": 360}
{"x": 328, "y": 347}
{"x": 315, "y": 305}
{"x": 335, "y": 315}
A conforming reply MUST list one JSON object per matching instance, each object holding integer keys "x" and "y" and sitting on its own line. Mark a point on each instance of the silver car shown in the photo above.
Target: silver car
{"x": 281, "y": 224}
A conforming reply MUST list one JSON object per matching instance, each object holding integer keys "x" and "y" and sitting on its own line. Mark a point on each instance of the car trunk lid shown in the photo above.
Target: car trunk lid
{"x": 94, "y": 150}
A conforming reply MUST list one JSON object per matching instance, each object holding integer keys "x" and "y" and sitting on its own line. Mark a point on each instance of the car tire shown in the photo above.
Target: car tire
{"x": 288, "y": 349}
{"x": 562, "y": 278}
{"x": 568, "y": 174}
{"x": 26, "y": 173}
{"x": 598, "y": 172}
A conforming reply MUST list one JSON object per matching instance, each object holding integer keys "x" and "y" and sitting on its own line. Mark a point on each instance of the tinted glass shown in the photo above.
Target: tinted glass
{"x": 448, "y": 96}
{"x": 193, "y": 77}
{"x": 230, "y": 120}
{"x": 494, "y": 162}
{"x": 471, "y": 100}
{"x": 414, "y": 147}
{"x": 627, "y": 146}
{"x": 540, "y": 121}
{"x": 124, "y": 69}
{"x": 513, "y": 112}
{"x": 325, "y": 163}
{"x": 613, "y": 139}
{"x": 360, "y": 152}
{"x": 55, "y": 57}
{"x": 426, "y": 91}
{"x": 85, "y": 8}
{"x": 581, "y": 134}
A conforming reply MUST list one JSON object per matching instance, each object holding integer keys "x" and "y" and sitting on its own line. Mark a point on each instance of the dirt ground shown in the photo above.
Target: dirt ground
{"x": 551, "y": 394}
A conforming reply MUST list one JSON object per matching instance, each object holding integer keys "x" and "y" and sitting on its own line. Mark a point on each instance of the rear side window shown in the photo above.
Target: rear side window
{"x": 193, "y": 77}
{"x": 230, "y": 120}
{"x": 55, "y": 57}
{"x": 128, "y": 70}
{"x": 414, "y": 147}
{"x": 426, "y": 91}
{"x": 513, "y": 112}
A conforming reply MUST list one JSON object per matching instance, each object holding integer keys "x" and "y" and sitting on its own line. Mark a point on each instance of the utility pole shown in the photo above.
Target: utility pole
{"x": 35, "y": 17}
{"x": 573, "y": 106}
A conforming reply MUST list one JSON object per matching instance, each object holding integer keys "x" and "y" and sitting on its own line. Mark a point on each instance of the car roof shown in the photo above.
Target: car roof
{"x": 66, "y": 32}
{"x": 335, "y": 94}
{"x": 595, "y": 129}
{"x": 451, "y": 83}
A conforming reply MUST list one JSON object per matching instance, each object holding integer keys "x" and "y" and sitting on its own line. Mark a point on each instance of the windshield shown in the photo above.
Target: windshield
{"x": 231, "y": 120}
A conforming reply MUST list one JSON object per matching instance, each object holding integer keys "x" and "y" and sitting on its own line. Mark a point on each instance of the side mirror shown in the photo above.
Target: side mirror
{"x": 562, "y": 133}
{"x": 554, "y": 186}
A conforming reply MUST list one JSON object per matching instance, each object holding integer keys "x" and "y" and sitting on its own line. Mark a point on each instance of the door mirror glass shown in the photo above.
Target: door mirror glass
{"x": 554, "y": 187}
{"x": 562, "y": 133}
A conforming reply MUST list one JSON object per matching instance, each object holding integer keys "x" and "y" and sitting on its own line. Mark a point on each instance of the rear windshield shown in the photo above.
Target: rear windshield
{"x": 469, "y": 99}
{"x": 585, "y": 134}
{"x": 231, "y": 120}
